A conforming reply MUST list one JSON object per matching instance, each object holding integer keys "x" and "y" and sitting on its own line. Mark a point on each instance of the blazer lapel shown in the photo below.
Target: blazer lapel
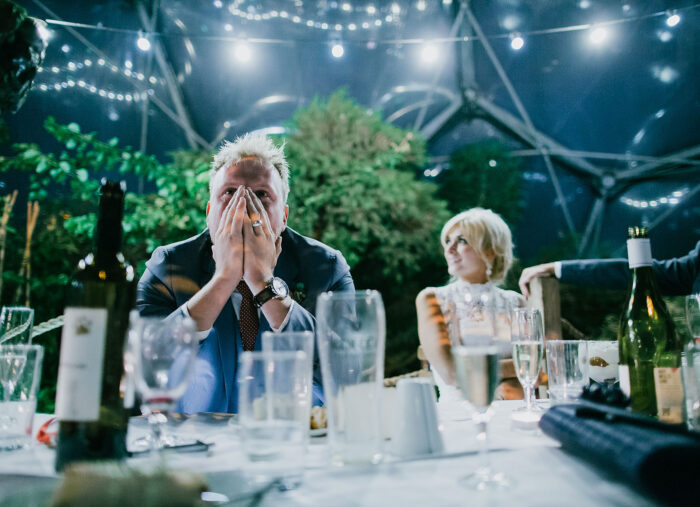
{"x": 287, "y": 265}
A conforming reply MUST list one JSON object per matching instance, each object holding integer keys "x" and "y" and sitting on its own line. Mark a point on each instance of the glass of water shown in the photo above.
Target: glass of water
{"x": 351, "y": 333}
{"x": 528, "y": 344}
{"x": 273, "y": 412}
{"x": 567, "y": 369}
{"x": 477, "y": 378}
{"x": 20, "y": 374}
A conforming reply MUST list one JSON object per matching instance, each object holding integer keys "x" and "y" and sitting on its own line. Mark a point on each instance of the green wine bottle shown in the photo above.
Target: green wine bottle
{"x": 92, "y": 420}
{"x": 650, "y": 349}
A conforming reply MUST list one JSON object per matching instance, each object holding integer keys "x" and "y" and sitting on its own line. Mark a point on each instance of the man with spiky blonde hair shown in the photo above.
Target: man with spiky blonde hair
{"x": 234, "y": 278}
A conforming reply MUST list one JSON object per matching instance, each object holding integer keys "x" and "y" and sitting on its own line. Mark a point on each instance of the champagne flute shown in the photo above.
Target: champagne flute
{"x": 164, "y": 353}
{"x": 477, "y": 378}
{"x": 528, "y": 341}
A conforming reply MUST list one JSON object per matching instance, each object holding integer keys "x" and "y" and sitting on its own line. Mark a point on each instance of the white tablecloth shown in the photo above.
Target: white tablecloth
{"x": 541, "y": 473}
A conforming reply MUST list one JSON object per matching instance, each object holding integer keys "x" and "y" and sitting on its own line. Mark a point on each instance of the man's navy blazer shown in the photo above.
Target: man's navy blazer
{"x": 175, "y": 272}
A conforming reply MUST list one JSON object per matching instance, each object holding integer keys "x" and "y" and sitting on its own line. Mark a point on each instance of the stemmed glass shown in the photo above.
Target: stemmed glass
{"x": 472, "y": 320}
{"x": 164, "y": 351}
{"x": 527, "y": 340}
{"x": 691, "y": 362}
{"x": 477, "y": 378}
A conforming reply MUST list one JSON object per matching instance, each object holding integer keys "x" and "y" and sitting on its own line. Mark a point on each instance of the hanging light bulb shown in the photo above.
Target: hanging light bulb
{"x": 242, "y": 52}
{"x": 429, "y": 53}
{"x": 517, "y": 42}
{"x": 337, "y": 50}
{"x": 598, "y": 35}
{"x": 673, "y": 19}
{"x": 143, "y": 43}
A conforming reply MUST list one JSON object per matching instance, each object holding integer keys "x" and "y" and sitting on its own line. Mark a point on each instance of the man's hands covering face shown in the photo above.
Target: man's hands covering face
{"x": 240, "y": 250}
{"x": 261, "y": 247}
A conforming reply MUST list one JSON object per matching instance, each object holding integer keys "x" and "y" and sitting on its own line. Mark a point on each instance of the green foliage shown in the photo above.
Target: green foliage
{"x": 483, "y": 175}
{"x": 354, "y": 188}
{"x": 66, "y": 186}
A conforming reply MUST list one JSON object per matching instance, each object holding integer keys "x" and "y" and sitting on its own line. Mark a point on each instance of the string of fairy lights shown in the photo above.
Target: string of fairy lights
{"x": 367, "y": 18}
{"x": 671, "y": 199}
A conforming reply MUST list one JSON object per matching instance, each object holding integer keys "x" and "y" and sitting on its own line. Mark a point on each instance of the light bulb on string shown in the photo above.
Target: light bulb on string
{"x": 143, "y": 43}
{"x": 337, "y": 50}
{"x": 429, "y": 53}
{"x": 673, "y": 19}
{"x": 598, "y": 35}
{"x": 242, "y": 52}
{"x": 517, "y": 42}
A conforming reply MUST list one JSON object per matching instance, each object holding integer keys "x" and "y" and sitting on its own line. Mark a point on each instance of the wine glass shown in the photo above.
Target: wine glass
{"x": 164, "y": 351}
{"x": 527, "y": 340}
{"x": 473, "y": 321}
{"x": 477, "y": 378}
{"x": 691, "y": 362}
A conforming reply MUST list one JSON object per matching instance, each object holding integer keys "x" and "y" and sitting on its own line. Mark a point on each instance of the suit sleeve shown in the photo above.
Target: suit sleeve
{"x": 154, "y": 295}
{"x": 675, "y": 277}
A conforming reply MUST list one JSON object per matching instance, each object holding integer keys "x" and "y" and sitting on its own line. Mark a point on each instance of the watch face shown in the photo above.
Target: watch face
{"x": 279, "y": 287}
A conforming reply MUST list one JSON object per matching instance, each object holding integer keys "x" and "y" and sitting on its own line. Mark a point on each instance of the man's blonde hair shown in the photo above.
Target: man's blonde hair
{"x": 484, "y": 230}
{"x": 257, "y": 146}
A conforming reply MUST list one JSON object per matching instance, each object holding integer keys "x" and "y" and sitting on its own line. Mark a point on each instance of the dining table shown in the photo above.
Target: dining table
{"x": 539, "y": 471}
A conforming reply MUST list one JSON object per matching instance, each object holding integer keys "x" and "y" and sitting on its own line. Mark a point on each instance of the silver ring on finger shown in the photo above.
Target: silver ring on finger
{"x": 257, "y": 223}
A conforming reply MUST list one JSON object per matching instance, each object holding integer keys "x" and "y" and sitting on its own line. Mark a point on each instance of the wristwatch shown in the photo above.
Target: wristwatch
{"x": 276, "y": 288}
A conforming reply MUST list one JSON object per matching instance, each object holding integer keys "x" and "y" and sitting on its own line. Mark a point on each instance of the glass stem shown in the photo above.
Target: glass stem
{"x": 155, "y": 420}
{"x": 482, "y": 437}
{"x": 528, "y": 397}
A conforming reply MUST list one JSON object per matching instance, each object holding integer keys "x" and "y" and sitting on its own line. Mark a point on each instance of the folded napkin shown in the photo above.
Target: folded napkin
{"x": 663, "y": 462}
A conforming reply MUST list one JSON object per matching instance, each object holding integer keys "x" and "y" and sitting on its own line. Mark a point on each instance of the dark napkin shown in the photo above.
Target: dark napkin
{"x": 665, "y": 464}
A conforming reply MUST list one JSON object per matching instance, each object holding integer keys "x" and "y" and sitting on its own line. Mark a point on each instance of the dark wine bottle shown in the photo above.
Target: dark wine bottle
{"x": 92, "y": 419}
{"x": 650, "y": 349}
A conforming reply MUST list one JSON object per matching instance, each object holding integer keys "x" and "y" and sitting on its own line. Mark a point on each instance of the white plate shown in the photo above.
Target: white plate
{"x": 321, "y": 432}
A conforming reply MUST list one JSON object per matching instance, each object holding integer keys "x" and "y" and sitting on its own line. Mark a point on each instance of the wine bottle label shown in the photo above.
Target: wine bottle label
{"x": 624, "y": 373}
{"x": 79, "y": 388}
{"x": 669, "y": 394}
{"x": 639, "y": 252}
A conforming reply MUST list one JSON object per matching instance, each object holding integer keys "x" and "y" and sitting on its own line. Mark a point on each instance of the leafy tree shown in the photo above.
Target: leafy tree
{"x": 483, "y": 174}
{"x": 354, "y": 188}
{"x": 66, "y": 185}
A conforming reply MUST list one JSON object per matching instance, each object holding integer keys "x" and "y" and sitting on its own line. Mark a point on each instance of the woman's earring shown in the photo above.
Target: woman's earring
{"x": 488, "y": 272}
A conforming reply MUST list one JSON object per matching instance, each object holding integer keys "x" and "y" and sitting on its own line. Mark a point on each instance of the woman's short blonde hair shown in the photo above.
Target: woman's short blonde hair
{"x": 484, "y": 230}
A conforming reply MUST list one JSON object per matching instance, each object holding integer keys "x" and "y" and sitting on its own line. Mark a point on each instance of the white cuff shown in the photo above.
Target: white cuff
{"x": 285, "y": 321}
{"x": 201, "y": 335}
{"x": 557, "y": 269}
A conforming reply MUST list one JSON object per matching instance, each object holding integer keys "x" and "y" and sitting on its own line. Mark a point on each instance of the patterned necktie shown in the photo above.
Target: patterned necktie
{"x": 248, "y": 318}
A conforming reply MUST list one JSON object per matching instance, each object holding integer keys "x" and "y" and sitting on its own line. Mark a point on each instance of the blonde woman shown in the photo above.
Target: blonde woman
{"x": 479, "y": 252}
